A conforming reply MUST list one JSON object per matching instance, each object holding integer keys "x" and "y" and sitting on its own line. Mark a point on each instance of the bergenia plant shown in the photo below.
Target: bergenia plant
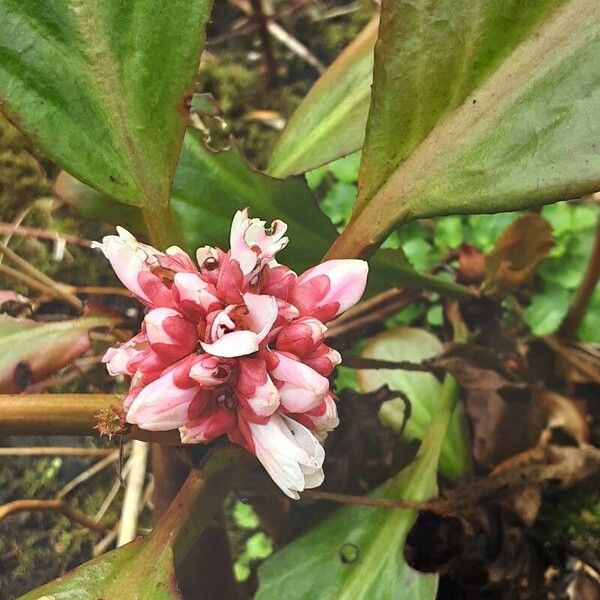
{"x": 232, "y": 344}
{"x": 437, "y": 109}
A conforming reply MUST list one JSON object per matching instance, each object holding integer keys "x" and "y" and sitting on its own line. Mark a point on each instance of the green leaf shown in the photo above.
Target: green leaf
{"x": 259, "y": 546}
{"x": 330, "y": 122}
{"x": 423, "y": 391}
{"x": 547, "y": 310}
{"x": 358, "y": 553}
{"x": 346, "y": 169}
{"x": 30, "y": 351}
{"x": 478, "y": 107}
{"x": 244, "y": 515}
{"x": 93, "y": 205}
{"x": 134, "y": 572}
{"x": 209, "y": 187}
{"x": 337, "y": 203}
{"x": 589, "y": 330}
{"x": 102, "y": 86}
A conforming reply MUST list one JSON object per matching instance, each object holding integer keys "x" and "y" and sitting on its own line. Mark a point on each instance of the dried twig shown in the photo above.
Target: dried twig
{"x": 20, "y": 230}
{"x": 365, "y": 316}
{"x": 296, "y": 46}
{"x": 30, "y": 282}
{"x": 288, "y": 40}
{"x": 89, "y": 473}
{"x": 132, "y": 503}
{"x": 57, "y": 289}
{"x": 106, "y": 542}
{"x": 114, "y": 490}
{"x": 434, "y": 505}
{"x": 267, "y": 46}
{"x": 359, "y": 362}
{"x": 572, "y": 359}
{"x": 564, "y": 466}
{"x": 53, "y": 505}
{"x": 55, "y": 451}
{"x": 101, "y": 291}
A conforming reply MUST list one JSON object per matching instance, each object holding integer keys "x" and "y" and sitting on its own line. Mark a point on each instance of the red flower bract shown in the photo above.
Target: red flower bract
{"x": 234, "y": 345}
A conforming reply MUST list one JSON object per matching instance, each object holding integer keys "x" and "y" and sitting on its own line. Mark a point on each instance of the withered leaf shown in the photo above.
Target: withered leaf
{"x": 516, "y": 255}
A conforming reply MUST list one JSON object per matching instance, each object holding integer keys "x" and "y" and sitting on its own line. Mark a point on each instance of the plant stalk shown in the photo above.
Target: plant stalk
{"x": 584, "y": 294}
{"x": 66, "y": 414}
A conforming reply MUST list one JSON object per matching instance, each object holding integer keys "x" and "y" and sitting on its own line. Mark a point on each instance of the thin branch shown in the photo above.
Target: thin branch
{"x": 113, "y": 457}
{"x": 583, "y": 296}
{"x": 53, "y": 505}
{"x": 58, "y": 290}
{"x": 296, "y": 46}
{"x": 55, "y": 451}
{"x": 438, "y": 506}
{"x": 288, "y": 40}
{"x": 358, "y": 362}
{"x": 106, "y": 542}
{"x": 576, "y": 362}
{"x": 132, "y": 503}
{"x": 112, "y": 494}
{"x": 33, "y": 284}
{"x": 267, "y": 46}
{"x": 20, "y": 230}
{"x": 101, "y": 291}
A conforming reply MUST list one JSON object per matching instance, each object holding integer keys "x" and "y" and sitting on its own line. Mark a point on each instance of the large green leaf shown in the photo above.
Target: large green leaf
{"x": 30, "y": 351}
{"x": 102, "y": 86}
{"x": 478, "y": 107}
{"x": 330, "y": 122}
{"x": 358, "y": 553}
{"x": 209, "y": 187}
{"x": 135, "y": 572}
{"x": 423, "y": 390}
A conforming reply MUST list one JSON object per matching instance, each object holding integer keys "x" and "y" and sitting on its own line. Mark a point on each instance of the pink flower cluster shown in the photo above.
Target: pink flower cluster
{"x": 234, "y": 345}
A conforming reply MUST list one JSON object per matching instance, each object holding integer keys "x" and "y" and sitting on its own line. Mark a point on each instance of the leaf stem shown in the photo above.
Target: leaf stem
{"x": 163, "y": 229}
{"x": 584, "y": 293}
{"x": 199, "y": 499}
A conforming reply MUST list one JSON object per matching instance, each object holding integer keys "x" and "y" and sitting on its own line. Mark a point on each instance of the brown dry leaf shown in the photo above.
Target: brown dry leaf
{"x": 517, "y": 253}
{"x": 471, "y": 265}
{"x": 501, "y": 428}
{"x": 564, "y": 413}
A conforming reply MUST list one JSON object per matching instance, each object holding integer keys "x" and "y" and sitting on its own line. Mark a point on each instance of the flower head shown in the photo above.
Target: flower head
{"x": 233, "y": 345}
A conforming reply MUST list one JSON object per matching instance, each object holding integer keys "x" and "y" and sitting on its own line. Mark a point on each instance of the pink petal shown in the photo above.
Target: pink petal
{"x": 277, "y": 281}
{"x": 254, "y": 387}
{"x": 163, "y": 404}
{"x": 119, "y": 360}
{"x": 236, "y": 343}
{"x": 210, "y": 371}
{"x": 170, "y": 335}
{"x": 330, "y": 288}
{"x": 230, "y": 282}
{"x": 252, "y": 246}
{"x": 323, "y": 359}
{"x": 127, "y": 257}
{"x": 262, "y": 312}
{"x": 302, "y": 388}
{"x": 301, "y": 336}
{"x": 324, "y": 417}
{"x": 208, "y": 425}
{"x": 194, "y": 294}
{"x": 291, "y": 455}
